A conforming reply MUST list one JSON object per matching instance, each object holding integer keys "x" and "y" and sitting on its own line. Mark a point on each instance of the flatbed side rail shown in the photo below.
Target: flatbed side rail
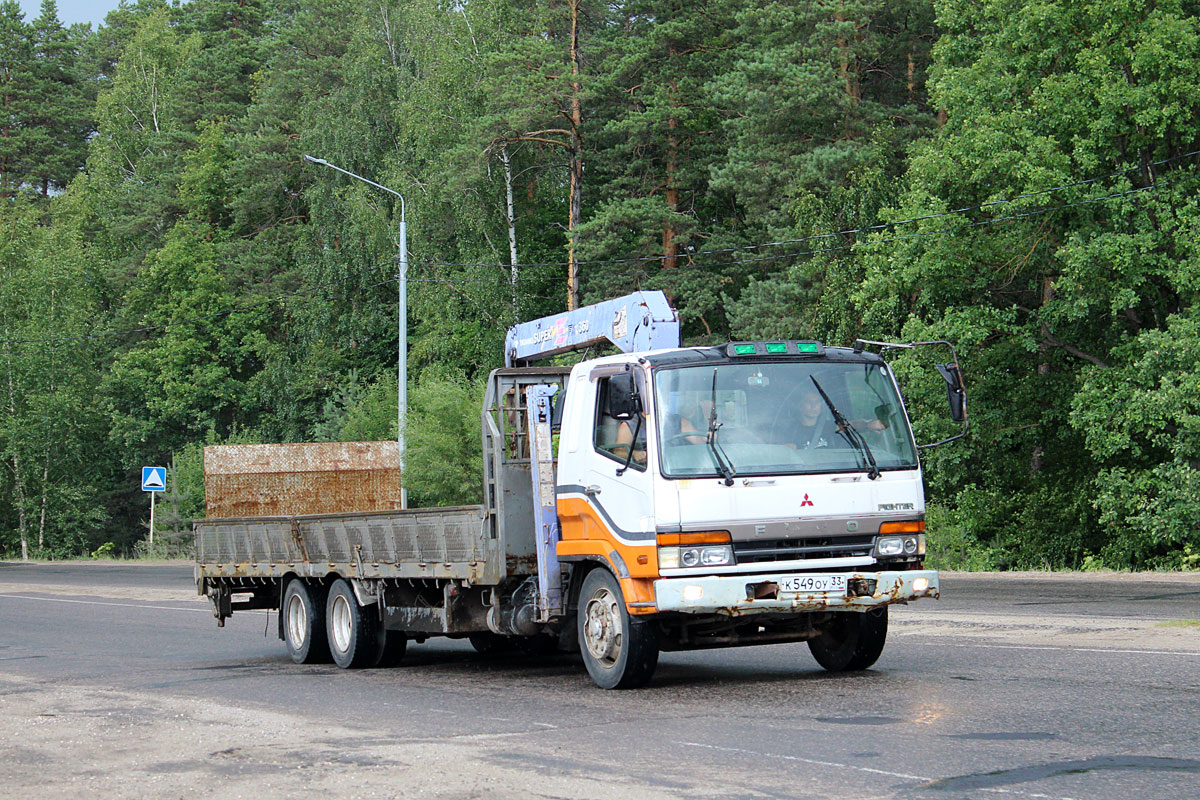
{"x": 448, "y": 543}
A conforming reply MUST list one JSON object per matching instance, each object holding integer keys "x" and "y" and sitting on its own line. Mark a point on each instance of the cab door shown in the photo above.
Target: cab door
{"x": 618, "y": 464}
{"x": 605, "y": 491}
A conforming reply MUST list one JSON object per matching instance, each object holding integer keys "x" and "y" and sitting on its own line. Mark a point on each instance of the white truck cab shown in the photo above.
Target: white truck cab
{"x": 745, "y": 493}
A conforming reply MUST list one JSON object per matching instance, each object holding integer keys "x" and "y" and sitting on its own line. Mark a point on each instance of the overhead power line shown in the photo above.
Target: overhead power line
{"x": 849, "y": 231}
{"x": 945, "y": 231}
{"x": 457, "y": 284}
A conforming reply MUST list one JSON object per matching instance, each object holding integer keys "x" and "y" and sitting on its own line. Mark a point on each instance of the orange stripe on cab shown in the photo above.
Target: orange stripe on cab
{"x": 585, "y": 533}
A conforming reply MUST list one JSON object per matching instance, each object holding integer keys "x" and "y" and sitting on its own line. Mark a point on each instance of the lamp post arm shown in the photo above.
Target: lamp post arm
{"x": 325, "y": 163}
{"x": 402, "y": 344}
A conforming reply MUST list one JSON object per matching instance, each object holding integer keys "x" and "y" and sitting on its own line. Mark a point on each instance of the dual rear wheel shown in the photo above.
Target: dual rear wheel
{"x": 322, "y": 623}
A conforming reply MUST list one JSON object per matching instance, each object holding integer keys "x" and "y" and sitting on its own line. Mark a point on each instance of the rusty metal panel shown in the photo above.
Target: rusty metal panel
{"x": 267, "y": 480}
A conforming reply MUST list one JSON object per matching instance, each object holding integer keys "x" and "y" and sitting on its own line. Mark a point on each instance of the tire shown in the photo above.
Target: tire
{"x": 851, "y": 640}
{"x": 394, "y": 647}
{"x": 619, "y": 651}
{"x": 304, "y": 622}
{"x": 487, "y": 643}
{"x": 543, "y": 644}
{"x": 356, "y": 636}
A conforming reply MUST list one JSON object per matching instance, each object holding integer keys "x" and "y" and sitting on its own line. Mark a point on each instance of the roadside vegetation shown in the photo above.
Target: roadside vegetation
{"x": 1017, "y": 177}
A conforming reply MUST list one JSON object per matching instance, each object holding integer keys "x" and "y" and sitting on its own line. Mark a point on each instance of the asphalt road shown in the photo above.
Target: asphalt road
{"x": 115, "y": 680}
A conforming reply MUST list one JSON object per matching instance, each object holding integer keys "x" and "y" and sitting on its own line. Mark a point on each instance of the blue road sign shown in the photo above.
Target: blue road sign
{"x": 154, "y": 479}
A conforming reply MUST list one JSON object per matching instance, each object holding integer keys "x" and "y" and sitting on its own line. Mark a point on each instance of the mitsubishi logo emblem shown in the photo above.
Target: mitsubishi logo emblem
{"x": 806, "y": 501}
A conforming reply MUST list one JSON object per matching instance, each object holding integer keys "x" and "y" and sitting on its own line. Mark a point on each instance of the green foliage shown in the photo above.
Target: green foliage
{"x": 51, "y": 452}
{"x": 1068, "y": 305}
{"x": 757, "y": 162}
{"x": 444, "y": 458}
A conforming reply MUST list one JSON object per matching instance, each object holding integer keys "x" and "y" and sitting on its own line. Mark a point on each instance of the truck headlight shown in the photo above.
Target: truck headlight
{"x": 689, "y": 557}
{"x": 891, "y": 546}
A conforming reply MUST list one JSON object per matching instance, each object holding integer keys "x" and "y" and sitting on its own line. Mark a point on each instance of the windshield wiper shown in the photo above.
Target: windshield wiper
{"x": 850, "y": 433}
{"x": 718, "y": 452}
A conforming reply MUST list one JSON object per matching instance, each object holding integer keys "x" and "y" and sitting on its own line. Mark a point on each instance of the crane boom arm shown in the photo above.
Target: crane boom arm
{"x": 635, "y": 322}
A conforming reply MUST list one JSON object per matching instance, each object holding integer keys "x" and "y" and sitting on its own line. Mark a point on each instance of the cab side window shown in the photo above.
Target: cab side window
{"x": 613, "y": 437}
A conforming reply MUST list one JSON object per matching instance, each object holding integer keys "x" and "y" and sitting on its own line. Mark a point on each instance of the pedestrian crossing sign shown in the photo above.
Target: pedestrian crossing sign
{"x": 154, "y": 479}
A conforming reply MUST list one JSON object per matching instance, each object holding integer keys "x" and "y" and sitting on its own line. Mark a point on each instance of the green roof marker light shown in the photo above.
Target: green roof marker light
{"x": 785, "y": 348}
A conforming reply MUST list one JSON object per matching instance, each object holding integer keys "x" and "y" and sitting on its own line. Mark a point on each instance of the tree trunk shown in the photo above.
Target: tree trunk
{"x": 670, "y": 252}
{"x": 15, "y": 461}
{"x": 19, "y": 501}
{"x": 42, "y": 510}
{"x": 848, "y": 65}
{"x": 576, "y": 155}
{"x": 911, "y": 81}
{"x": 510, "y": 219}
{"x": 1043, "y": 368}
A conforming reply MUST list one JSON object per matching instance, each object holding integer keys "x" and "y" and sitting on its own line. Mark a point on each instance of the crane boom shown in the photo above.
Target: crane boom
{"x": 635, "y": 322}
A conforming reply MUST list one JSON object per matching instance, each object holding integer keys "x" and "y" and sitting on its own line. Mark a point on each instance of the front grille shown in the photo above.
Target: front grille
{"x": 766, "y": 551}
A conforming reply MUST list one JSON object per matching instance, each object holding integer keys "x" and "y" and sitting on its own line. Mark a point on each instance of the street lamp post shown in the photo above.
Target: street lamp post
{"x": 402, "y": 369}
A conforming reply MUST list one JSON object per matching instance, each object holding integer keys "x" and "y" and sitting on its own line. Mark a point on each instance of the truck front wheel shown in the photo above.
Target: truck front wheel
{"x": 356, "y": 636}
{"x": 620, "y": 652}
{"x": 304, "y": 623}
{"x": 851, "y": 640}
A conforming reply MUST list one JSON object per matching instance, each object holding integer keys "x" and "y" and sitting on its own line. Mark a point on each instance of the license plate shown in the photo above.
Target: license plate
{"x": 813, "y": 584}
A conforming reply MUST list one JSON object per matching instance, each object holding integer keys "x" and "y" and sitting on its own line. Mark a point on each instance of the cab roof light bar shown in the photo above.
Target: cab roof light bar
{"x": 789, "y": 347}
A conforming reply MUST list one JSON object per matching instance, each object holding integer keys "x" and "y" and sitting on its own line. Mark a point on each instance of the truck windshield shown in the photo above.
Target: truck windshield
{"x": 772, "y": 419}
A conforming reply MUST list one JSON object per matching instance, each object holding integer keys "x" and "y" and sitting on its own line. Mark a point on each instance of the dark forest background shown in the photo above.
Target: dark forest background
{"x": 1019, "y": 177}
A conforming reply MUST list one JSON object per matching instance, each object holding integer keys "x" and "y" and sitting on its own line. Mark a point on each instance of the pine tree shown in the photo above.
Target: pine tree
{"x": 19, "y": 138}
{"x": 62, "y": 114}
{"x": 657, "y": 140}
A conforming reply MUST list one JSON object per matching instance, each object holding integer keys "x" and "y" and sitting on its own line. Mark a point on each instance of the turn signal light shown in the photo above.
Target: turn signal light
{"x": 702, "y": 537}
{"x": 912, "y": 526}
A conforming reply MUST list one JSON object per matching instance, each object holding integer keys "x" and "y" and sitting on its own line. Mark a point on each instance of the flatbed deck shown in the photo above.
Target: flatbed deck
{"x": 446, "y": 543}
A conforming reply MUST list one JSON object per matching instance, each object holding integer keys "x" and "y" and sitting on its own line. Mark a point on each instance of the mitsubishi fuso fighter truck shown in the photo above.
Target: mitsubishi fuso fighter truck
{"x": 666, "y": 498}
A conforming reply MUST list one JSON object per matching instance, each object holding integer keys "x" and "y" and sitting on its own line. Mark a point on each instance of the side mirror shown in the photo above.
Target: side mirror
{"x": 556, "y": 408}
{"x": 954, "y": 391}
{"x": 623, "y": 400}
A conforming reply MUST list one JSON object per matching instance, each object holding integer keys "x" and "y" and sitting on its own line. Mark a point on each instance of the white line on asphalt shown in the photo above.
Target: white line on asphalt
{"x": 1069, "y": 649}
{"x": 98, "y": 603}
{"x": 872, "y": 770}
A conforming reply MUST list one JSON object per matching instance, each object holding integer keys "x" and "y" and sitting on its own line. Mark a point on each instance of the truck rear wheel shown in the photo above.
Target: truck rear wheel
{"x": 356, "y": 635}
{"x": 487, "y": 643}
{"x": 851, "y": 640}
{"x": 619, "y": 651}
{"x": 304, "y": 623}
{"x": 395, "y": 645}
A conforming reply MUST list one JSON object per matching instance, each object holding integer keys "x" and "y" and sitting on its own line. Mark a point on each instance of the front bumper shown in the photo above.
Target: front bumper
{"x": 730, "y": 594}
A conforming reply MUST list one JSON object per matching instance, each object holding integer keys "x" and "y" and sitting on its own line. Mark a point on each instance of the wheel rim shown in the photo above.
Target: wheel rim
{"x": 341, "y": 623}
{"x": 602, "y": 627}
{"x": 297, "y": 621}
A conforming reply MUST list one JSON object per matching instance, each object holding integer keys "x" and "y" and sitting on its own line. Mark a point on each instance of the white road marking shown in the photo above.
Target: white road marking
{"x": 204, "y": 610}
{"x": 1068, "y": 649}
{"x": 872, "y": 770}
